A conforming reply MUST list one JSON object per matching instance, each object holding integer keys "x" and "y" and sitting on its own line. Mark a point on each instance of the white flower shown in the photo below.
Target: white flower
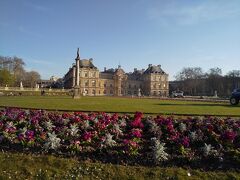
{"x": 193, "y": 136}
{"x": 53, "y": 142}
{"x": 207, "y": 149}
{"x": 86, "y": 124}
{"x": 49, "y": 125}
{"x": 108, "y": 141}
{"x": 182, "y": 127}
{"x": 73, "y": 129}
{"x": 65, "y": 121}
{"x": 117, "y": 128}
{"x": 158, "y": 151}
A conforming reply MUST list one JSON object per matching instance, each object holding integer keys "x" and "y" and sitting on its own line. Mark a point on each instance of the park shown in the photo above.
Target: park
{"x": 107, "y": 137}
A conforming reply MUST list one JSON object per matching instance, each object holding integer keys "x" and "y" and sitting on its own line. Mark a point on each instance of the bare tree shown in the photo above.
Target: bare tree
{"x": 31, "y": 78}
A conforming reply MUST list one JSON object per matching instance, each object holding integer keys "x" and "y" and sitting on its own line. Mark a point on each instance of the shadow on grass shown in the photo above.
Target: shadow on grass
{"x": 203, "y": 105}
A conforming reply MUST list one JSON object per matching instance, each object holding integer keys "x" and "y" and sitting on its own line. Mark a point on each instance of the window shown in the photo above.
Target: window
{"x": 105, "y": 85}
{"x": 86, "y": 83}
{"x": 93, "y": 91}
{"x": 93, "y": 83}
{"x": 110, "y": 85}
{"x": 129, "y": 93}
{"x": 104, "y": 92}
{"x": 154, "y": 93}
{"x": 111, "y": 91}
{"x": 86, "y": 74}
{"x": 129, "y": 86}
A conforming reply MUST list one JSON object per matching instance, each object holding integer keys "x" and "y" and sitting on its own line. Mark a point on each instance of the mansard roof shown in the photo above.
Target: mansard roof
{"x": 154, "y": 69}
{"x": 87, "y": 63}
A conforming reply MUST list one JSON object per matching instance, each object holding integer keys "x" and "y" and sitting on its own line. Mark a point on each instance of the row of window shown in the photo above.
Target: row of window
{"x": 155, "y": 85}
{"x": 93, "y": 84}
{"x": 159, "y": 78}
{"x": 88, "y": 74}
{"x": 159, "y": 93}
{"x": 93, "y": 92}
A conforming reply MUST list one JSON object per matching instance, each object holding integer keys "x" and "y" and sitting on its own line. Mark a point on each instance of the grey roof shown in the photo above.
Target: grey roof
{"x": 85, "y": 63}
{"x": 154, "y": 69}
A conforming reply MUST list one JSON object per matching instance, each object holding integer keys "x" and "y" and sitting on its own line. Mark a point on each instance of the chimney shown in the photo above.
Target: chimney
{"x": 105, "y": 69}
{"x": 91, "y": 59}
{"x": 135, "y": 69}
{"x": 159, "y": 65}
{"x": 149, "y": 65}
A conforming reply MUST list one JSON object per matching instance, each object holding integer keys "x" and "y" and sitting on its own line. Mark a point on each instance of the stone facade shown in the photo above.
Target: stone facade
{"x": 115, "y": 82}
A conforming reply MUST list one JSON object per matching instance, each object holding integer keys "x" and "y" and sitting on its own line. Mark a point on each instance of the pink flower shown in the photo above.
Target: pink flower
{"x": 136, "y": 133}
{"x": 185, "y": 141}
{"x": 87, "y": 136}
{"x": 29, "y": 135}
{"x": 229, "y": 135}
{"x": 136, "y": 123}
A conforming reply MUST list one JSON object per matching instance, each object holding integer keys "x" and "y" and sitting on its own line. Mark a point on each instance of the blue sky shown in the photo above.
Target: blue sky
{"x": 134, "y": 33}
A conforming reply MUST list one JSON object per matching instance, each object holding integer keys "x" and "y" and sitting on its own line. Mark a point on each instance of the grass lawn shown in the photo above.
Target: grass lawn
{"x": 122, "y": 105}
{"x": 20, "y": 166}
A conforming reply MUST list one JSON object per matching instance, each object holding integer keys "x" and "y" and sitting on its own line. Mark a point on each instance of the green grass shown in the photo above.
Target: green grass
{"x": 122, "y": 105}
{"x": 21, "y": 166}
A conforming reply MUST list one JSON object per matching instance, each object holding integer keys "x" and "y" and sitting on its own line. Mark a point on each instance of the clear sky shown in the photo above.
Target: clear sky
{"x": 134, "y": 33}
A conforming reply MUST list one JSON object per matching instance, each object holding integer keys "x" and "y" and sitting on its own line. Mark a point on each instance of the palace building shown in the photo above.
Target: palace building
{"x": 115, "y": 82}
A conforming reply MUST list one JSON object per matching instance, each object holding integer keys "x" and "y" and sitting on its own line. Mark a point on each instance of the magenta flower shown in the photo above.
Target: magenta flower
{"x": 21, "y": 137}
{"x": 185, "y": 141}
{"x": 229, "y": 135}
{"x": 136, "y": 133}
{"x": 29, "y": 135}
{"x": 137, "y": 123}
{"x": 87, "y": 136}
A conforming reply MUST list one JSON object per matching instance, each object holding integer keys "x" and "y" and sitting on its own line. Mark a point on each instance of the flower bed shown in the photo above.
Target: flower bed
{"x": 206, "y": 142}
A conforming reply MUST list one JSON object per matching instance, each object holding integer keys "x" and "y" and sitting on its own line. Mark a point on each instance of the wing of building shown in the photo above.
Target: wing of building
{"x": 115, "y": 82}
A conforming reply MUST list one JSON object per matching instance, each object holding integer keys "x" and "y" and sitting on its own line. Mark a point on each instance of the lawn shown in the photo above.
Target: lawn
{"x": 20, "y": 166}
{"x": 122, "y": 105}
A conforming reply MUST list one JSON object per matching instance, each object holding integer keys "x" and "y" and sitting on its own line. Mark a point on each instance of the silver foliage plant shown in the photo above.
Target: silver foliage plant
{"x": 154, "y": 128}
{"x": 208, "y": 150}
{"x": 73, "y": 129}
{"x": 108, "y": 141}
{"x": 182, "y": 127}
{"x": 49, "y": 125}
{"x": 53, "y": 142}
{"x": 193, "y": 136}
{"x": 158, "y": 151}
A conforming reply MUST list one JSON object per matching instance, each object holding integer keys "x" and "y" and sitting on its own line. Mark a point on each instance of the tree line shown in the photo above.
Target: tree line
{"x": 12, "y": 73}
{"x": 193, "y": 81}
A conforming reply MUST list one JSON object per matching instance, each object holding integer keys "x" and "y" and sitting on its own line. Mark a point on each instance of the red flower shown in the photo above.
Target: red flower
{"x": 136, "y": 123}
{"x": 229, "y": 135}
{"x": 87, "y": 136}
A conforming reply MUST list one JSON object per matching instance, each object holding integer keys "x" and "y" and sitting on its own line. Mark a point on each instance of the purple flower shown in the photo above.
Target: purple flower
{"x": 229, "y": 135}
{"x": 185, "y": 141}
{"x": 29, "y": 135}
{"x": 20, "y": 137}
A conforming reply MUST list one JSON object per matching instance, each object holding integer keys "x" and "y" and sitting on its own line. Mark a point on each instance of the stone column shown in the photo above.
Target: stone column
{"x": 76, "y": 93}
{"x": 77, "y": 72}
{"x": 74, "y": 75}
